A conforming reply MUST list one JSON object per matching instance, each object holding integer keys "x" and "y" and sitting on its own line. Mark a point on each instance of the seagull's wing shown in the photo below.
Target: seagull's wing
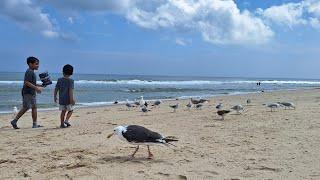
{"x": 139, "y": 134}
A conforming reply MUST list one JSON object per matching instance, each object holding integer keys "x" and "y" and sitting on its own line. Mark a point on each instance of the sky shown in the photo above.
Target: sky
{"x": 225, "y": 38}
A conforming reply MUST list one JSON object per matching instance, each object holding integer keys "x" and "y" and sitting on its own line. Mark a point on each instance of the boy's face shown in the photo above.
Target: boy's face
{"x": 34, "y": 66}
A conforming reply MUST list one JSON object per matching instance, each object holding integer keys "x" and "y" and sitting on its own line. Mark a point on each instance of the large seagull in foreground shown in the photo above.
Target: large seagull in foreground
{"x": 138, "y": 135}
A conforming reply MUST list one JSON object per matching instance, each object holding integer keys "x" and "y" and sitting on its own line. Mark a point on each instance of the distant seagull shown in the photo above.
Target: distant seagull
{"x": 219, "y": 106}
{"x": 273, "y": 106}
{"x": 222, "y": 113}
{"x": 115, "y": 102}
{"x": 15, "y": 111}
{"x": 287, "y": 105}
{"x": 199, "y": 106}
{"x": 203, "y": 100}
{"x": 142, "y": 101}
{"x": 145, "y": 110}
{"x": 174, "y": 107}
{"x": 248, "y": 101}
{"x": 237, "y": 108}
{"x": 157, "y": 103}
{"x": 189, "y": 105}
{"x": 138, "y": 135}
{"x": 194, "y": 101}
{"x": 146, "y": 104}
{"x": 137, "y": 103}
{"x": 129, "y": 105}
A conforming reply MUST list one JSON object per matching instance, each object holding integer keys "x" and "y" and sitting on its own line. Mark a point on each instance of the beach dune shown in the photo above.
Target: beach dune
{"x": 257, "y": 144}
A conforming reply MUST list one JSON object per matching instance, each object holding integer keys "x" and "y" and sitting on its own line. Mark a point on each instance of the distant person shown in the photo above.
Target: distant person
{"x": 65, "y": 87}
{"x": 29, "y": 91}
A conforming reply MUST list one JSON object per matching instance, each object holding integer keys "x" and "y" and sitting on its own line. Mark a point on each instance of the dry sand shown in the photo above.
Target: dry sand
{"x": 258, "y": 144}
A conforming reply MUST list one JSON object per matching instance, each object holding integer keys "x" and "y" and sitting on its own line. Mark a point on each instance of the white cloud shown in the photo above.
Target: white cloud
{"x": 306, "y": 12}
{"x": 27, "y": 15}
{"x": 70, "y": 20}
{"x": 182, "y": 42}
{"x": 219, "y": 21}
{"x": 287, "y": 14}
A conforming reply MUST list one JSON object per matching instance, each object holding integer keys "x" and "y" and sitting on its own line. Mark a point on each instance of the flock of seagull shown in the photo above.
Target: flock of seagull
{"x": 138, "y": 135}
{"x": 199, "y": 103}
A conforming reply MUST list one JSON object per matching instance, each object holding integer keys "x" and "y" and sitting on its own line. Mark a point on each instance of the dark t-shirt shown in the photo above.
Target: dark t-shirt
{"x": 64, "y": 85}
{"x": 31, "y": 77}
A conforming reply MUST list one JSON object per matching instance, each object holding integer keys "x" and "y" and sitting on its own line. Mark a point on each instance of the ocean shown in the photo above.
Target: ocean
{"x": 99, "y": 89}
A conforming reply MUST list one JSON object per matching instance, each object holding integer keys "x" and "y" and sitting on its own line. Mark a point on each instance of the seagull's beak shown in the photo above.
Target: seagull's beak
{"x": 109, "y": 136}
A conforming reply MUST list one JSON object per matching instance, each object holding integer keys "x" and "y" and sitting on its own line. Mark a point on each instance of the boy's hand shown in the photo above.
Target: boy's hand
{"x": 39, "y": 90}
{"x": 72, "y": 101}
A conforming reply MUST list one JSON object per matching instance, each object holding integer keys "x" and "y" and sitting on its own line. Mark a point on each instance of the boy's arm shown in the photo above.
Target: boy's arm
{"x": 72, "y": 101}
{"x": 55, "y": 95}
{"x": 38, "y": 89}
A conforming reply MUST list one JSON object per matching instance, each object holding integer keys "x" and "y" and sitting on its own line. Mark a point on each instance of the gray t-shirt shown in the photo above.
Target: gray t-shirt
{"x": 31, "y": 77}
{"x": 64, "y": 85}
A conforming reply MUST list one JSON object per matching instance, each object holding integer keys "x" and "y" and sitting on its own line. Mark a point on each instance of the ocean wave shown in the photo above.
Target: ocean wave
{"x": 191, "y": 82}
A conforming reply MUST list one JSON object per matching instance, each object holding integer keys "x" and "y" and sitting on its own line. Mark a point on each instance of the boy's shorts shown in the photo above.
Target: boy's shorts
{"x": 29, "y": 101}
{"x": 66, "y": 107}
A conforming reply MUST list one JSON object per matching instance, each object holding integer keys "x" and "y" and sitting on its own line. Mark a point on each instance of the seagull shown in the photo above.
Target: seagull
{"x": 273, "y": 106}
{"x": 222, "y": 113}
{"x": 199, "y": 106}
{"x": 174, "y": 107}
{"x": 144, "y": 109}
{"x": 142, "y": 101}
{"x": 189, "y": 105}
{"x": 129, "y": 105}
{"x": 219, "y": 106}
{"x": 136, "y": 102}
{"x": 157, "y": 103}
{"x": 116, "y": 102}
{"x": 237, "y": 108}
{"x": 15, "y": 111}
{"x": 194, "y": 101}
{"x": 287, "y": 105}
{"x": 203, "y": 100}
{"x": 248, "y": 101}
{"x": 138, "y": 135}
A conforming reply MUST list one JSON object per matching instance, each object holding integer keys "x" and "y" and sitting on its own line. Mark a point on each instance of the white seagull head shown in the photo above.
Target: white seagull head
{"x": 118, "y": 131}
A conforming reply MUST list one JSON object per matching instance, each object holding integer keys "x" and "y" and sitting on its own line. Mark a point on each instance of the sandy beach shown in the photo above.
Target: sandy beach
{"x": 258, "y": 144}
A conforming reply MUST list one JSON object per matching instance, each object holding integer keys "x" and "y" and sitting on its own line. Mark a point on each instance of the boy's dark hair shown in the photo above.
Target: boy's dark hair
{"x": 68, "y": 70}
{"x": 32, "y": 60}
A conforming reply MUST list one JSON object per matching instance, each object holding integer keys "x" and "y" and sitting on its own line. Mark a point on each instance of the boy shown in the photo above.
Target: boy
{"x": 29, "y": 90}
{"x": 65, "y": 86}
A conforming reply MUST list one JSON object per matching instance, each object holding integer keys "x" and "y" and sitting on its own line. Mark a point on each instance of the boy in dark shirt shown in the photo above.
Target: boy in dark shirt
{"x": 65, "y": 86}
{"x": 29, "y": 90}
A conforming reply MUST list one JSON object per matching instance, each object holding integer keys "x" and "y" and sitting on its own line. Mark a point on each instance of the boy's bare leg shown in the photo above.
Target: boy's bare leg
{"x": 69, "y": 114}
{"x": 21, "y": 113}
{"x": 34, "y": 117}
{"x": 62, "y": 116}
{"x": 34, "y": 114}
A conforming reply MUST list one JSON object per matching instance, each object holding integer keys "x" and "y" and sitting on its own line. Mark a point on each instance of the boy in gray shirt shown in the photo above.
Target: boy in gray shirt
{"x": 65, "y": 86}
{"x": 29, "y": 91}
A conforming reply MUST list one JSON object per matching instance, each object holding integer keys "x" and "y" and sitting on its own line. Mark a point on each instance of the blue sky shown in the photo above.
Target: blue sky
{"x": 257, "y": 38}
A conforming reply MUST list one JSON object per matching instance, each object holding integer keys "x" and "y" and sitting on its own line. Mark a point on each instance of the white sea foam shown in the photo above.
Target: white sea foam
{"x": 191, "y": 82}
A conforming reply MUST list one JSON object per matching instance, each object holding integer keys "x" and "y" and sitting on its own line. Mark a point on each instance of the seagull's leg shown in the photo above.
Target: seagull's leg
{"x": 135, "y": 151}
{"x": 150, "y": 155}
